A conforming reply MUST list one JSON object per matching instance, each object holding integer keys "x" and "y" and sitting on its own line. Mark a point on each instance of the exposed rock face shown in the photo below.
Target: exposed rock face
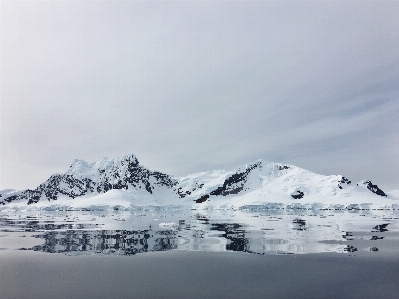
{"x": 344, "y": 180}
{"x": 99, "y": 177}
{"x": 202, "y": 198}
{"x": 235, "y": 183}
{"x": 298, "y": 194}
{"x": 280, "y": 167}
{"x": 125, "y": 173}
{"x": 374, "y": 188}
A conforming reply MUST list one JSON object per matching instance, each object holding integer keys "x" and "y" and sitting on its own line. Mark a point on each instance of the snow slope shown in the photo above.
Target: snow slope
{"x": 122, "y": 183}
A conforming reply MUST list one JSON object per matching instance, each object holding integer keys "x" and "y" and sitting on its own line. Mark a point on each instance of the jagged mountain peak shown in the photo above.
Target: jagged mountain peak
{"x": 257, "y": 181}
{"x": 79, "y": 166}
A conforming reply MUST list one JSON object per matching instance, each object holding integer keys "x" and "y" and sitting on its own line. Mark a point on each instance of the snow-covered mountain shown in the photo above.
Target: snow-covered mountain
{"x": 123, "y": 182}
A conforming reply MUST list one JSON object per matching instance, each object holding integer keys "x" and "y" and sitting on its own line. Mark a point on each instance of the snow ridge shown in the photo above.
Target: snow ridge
{"x": 257, "y": 184}
{"x": 83, "y": 179}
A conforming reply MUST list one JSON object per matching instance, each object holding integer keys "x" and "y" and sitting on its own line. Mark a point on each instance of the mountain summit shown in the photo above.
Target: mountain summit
{"x": 123, "y": 181}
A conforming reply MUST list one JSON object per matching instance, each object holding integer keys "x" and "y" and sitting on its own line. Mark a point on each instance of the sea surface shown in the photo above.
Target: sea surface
{"x": 248, "y": 253}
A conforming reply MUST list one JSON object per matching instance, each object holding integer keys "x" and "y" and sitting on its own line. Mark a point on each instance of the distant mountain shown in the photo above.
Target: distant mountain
{"x": 123, "y": 181}
{"x": 90, "y": 179}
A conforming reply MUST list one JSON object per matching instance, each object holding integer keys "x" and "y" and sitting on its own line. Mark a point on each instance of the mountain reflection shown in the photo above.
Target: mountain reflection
{"x": 149, "y": 231}
{"x": 123, "y": 242}
{"x": 130, "y": 242}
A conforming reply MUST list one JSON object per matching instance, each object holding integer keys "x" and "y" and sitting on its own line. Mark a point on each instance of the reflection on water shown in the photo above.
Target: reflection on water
{"x": 255, "y": 232}
{"x": 107, "y": 241}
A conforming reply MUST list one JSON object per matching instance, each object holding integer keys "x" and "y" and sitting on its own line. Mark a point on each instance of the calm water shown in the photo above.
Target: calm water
{"x": 252, "y": 232}
{"x": 153, "y": 253}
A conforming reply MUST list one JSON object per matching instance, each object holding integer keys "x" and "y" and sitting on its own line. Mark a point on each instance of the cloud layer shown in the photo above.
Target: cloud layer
{"x": 190, "y": 86}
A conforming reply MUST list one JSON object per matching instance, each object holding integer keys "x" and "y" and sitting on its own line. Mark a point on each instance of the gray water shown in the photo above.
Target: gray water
{"x": 158, "y": 253}
{"x": 254, "y": 232}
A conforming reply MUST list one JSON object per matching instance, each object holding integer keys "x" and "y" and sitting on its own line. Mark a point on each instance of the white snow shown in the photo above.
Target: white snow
{"x": 394, "y": 194}
{"x": 269, "y": 185}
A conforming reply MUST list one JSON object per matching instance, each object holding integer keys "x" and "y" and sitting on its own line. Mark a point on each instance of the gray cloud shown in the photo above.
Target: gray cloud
{"x": 196, "y": 85}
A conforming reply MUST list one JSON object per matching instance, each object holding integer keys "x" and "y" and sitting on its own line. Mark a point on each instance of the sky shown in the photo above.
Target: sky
{"x": 191, "y": 86}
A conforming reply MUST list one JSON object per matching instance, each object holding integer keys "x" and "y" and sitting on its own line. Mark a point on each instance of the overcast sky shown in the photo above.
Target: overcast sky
{"x": 190, "y": 86}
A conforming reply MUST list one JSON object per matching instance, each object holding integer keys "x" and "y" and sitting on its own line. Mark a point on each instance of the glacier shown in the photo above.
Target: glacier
{"x": 123, "y": 184}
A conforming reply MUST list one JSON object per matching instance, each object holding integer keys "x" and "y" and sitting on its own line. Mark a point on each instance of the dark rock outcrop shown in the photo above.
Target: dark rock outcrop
{"x": 374, "y": 188}
{"x": 235, "y": 183}
{"x": 126, "y": 173}
{"x": 298, "y": 194}
{"x": 344, "y": 180}
{"x": 280, "y": 167}
{"x": 202, "y": 198}
{"x": 115, "y": 174}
